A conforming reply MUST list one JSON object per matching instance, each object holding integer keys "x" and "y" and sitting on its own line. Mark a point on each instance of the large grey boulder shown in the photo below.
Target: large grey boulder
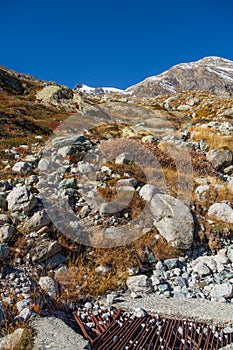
{"x": 22, "y": 168}
{"x": 221, "y": 212}
{"x": 44, "y": 165}
{"x": 219, "y": 158}
{"x": 21, "y": 199}
{"x": 173, "y": 220}
{"x": 53, "y": 334}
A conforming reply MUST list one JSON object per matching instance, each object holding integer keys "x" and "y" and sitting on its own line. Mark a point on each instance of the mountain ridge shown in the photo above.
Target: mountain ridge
{"x": 211, "y": 73}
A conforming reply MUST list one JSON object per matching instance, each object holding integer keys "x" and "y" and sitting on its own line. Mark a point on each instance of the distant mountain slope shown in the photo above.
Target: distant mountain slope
{"x": 213, "y": 74}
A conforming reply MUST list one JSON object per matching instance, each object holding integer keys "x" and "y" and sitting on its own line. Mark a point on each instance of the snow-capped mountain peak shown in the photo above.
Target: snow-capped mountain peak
{"x": 214, "y": 74}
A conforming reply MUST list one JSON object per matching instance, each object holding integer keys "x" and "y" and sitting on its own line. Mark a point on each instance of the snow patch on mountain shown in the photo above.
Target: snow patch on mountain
{"x": 99, "y": 90}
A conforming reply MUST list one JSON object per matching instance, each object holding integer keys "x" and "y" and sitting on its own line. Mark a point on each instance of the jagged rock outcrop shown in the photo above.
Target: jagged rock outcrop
{"x": 59, "y": 96}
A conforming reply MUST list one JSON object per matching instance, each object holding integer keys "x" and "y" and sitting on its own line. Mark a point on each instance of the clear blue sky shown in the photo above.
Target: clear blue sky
{"x": 111, "y": 43}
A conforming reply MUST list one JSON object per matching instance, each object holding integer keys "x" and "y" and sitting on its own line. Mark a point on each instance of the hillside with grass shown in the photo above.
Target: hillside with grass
{"x": 113, "y": 193}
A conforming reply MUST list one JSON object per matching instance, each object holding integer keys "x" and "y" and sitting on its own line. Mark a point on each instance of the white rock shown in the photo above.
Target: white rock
{"x": 131, "y": 182}
{"x": 221, "y": 212}
{"x": 138, "y": 312}
{"x": 138, "y": 283}
{"x": 85, "y": 167}
{"x": 201, "y": 191}
{"x": 102, "y": 269}
{"x": 22, "y": 168}
{"x": 202, "y": 269}
{"x": 147, "y": 192}
{"x": 49, "y": 285}
{"x": 223, "y": 290}
{"x": 21, "y": 199}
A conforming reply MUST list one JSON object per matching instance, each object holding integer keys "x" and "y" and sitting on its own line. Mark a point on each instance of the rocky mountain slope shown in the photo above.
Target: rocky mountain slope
{"x": 148, "y": 177}
{"x": 213, "y": 74}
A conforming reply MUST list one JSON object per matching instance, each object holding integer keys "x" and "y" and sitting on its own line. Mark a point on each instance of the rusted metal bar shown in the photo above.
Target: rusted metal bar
{"x": 118, "y": 330}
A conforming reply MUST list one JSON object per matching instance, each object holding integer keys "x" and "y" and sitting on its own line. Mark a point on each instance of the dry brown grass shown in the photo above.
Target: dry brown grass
{"x": 82, "y": 279}
{"x": 212, "y": 138}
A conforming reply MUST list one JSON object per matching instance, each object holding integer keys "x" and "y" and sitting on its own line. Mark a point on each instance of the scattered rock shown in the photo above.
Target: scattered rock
{"x": 219, "y": 158}
{"x": 49, "y": 285}
{"x": 149, "y": 139}
{"x": 22, "y": 168}
{"x": 64, "y": 141}
{"x": 21, "y": 199}
{"x": 37, "y": 221}
{"x": 6, "y": 233}
{"x": 138, "y": 283}
{"x": 48, "y": 250}
{"x": 202, "y": 269}
{"x": 228, "y": 170}
{"x": 184, "y": 108}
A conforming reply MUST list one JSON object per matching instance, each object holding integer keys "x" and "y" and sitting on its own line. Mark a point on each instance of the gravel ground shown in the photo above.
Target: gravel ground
{"x": 183, "y": 308}
{"x": 53, "y": 334}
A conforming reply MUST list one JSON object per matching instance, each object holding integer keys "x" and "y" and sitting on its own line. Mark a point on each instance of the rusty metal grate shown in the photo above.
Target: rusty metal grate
{"x": 118, "y": 330}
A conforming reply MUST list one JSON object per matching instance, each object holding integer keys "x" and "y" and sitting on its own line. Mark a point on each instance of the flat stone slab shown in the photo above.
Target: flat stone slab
{"x": 53, "y": 334}
{"x": 181, "y": 308}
